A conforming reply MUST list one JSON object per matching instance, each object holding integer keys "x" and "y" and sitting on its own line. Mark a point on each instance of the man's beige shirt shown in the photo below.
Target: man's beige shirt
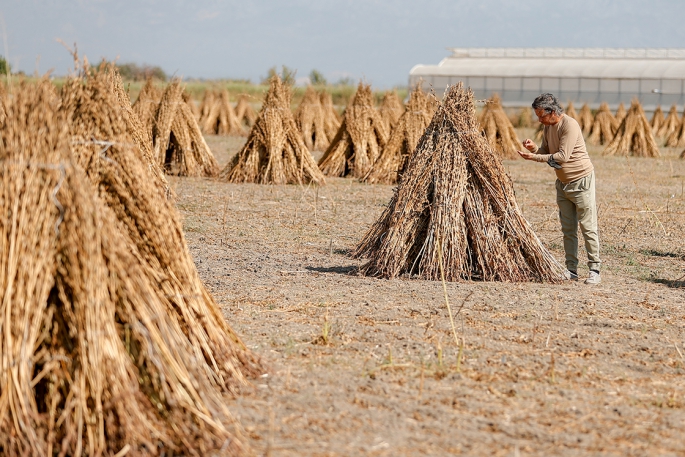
{"x": 564, "y": 141}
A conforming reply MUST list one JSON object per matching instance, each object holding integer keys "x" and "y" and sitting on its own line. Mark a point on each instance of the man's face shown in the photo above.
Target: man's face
{"x": 545, "y": 117}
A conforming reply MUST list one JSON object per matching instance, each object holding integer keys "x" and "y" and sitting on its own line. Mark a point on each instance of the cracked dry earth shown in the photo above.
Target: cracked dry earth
{"x": 364, "y": 366}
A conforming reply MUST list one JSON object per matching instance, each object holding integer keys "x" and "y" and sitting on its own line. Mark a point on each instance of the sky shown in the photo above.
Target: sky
{"x": 377, "y": 40}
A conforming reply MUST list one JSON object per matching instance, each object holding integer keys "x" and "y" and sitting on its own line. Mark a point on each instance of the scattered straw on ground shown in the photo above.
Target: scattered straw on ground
{"x": 455, "y": 205}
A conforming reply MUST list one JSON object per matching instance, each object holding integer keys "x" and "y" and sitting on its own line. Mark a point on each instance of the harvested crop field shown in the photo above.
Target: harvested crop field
{"x": 363, "y": 366}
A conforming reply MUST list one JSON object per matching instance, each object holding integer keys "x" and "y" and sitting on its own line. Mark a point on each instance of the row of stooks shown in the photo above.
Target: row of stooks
{"x": 374, "y": 144}
{"x": 111, "y": 343}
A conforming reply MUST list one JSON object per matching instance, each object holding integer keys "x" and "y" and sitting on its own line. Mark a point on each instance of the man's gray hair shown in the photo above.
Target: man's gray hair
{"x": 549, "y": 103}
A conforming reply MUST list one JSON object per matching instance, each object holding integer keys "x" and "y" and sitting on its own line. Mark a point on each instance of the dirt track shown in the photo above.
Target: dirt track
{"x": 362, "y": 366}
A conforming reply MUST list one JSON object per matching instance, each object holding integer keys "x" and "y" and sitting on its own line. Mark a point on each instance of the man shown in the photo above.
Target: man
{"x": 563, "y": 148}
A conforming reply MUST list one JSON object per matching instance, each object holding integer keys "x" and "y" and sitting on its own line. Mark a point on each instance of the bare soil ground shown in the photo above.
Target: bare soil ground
{"x": 364, "y": 366}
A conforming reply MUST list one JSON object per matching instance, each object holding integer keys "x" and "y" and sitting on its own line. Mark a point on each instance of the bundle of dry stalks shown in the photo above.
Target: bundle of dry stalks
{"x": 657, "y": 120}
{"x": 403, "y": 140}
{"x": 332, "y": 119}
{"x": 359, "y": 140}
{"x": 244, "y": 111}
{"x": 604, "y": 127}
{"x": 207, "y": 103}
{"x": 670, "y": 124}
{"x": 677, "y": 137}
{"x": 498, "y": 129}
{"x": 634, "y": 135}
{"x": 275, "y": 152}
{"x": 310, "y": 120}
{"x": 191, "y": 104}
{"x": 221, "y": 118}
{"x": 145, "y": 105}
{"x": 135, "y": 128}
{"x": 390, "y": 110}
{"x": 571, "y": 112}
{"x": 524, "y": 120}
{"x": 179, "y": 147}
{"x": 455, "y": 205}
{"x": 620, "y": 113}
{"x": 585, "y": 119}
{"x": 97, "y": 358}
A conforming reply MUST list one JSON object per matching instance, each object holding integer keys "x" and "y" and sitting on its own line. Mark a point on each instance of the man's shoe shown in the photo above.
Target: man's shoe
{"x": 570, "y": 275}
{"x": 593, "y": 278}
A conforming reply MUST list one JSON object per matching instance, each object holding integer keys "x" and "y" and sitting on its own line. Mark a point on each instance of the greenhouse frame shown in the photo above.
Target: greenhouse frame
{"x": 581, "y": 75}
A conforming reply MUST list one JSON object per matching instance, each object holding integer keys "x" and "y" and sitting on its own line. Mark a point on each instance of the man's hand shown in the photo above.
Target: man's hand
{"x": 529, "y": 144}
{"x": 527, "y": 155}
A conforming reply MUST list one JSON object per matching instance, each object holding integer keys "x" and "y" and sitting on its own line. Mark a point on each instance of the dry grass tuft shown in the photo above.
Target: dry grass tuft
{"x": 403, "y": 139}
{"x": 390, "y": 110}
{"x": 275, "y": 152}
{"x": 103, "y": 352}
{"x": 634, "y": 135}
{"x": 585, "y": 119}
{"x": 219, "y": 117}
{"x": 359, "y": 140}
{"x": 604, "y": 127}
{"x": 311, "y": 121}
{"x": 455, "y": 194}
{"x": 498, "y": 129}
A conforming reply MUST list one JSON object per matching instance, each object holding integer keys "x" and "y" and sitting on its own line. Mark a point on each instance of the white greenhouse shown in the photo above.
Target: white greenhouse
{"x": 581, "y": 75}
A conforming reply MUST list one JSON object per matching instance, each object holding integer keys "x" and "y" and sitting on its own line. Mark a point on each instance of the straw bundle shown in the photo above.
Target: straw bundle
{"x": 331, "y": 117}
{"x": 145, "y": 105}
{"x": 657, "y": 120}
{"x": 620, "y": 113}
{"x": 221, "y": 118}
{"x": 191, "y": 104}
{"x": 634, "y": 135}
{"x": 498, "y": 129}
{"x": 244, "y": 111}
{"x": 571, "y": 112}
{"x": 179, "y": 146}
{"x": 455, "y": 205}
{"x": 275, "y": 152}
{"x": 390, "y": 110}
{"x": 670, "y": 124}
{"x": 137, "y": 130}
{"x": 97, "y": 360}
{"x": 585, "y": 119}
{"x": 604, "y": 127}
{"x": 403, "y": 140}
{"x": 208, "y": 100}
{"x": 310, "y": 121}
{"x": 524, "y": 119}
{"x": 359, "y": 140}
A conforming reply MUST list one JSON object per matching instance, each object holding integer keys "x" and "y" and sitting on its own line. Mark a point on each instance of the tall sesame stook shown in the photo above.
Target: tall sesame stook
{"x": 455, "y": 196}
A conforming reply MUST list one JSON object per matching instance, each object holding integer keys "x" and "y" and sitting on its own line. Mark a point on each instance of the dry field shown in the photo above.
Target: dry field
{"x": 363, "y": 366}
